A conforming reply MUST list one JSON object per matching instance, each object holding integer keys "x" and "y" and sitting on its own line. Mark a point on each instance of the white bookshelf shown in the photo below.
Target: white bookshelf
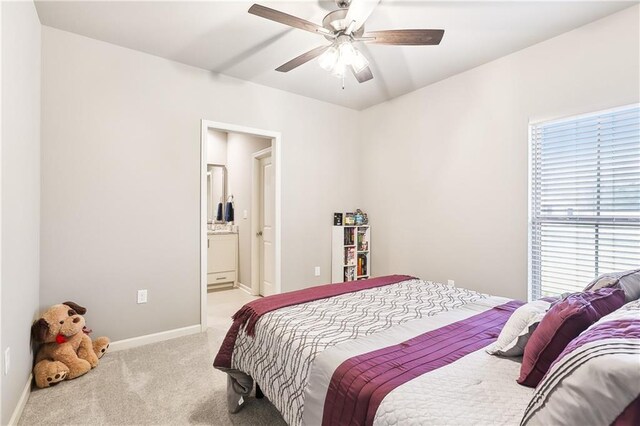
{"x": 350, "y": 253}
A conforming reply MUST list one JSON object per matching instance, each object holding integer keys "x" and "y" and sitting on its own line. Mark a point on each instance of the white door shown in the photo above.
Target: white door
{"x": 267, "y": 227}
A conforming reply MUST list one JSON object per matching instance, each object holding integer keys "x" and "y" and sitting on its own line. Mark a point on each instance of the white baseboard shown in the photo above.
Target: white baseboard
{"x": 24, "y": 397}
{"x": 133, "y": 342}
{"x": 245, "y": 288}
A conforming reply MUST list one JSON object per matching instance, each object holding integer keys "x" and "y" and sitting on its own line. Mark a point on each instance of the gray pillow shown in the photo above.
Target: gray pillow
{"x": 628, "y": 281}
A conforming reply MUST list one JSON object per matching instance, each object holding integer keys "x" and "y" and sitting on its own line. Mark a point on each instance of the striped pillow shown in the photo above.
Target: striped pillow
{"x": 628, "y": 281}
{"x": 596, "y": 378}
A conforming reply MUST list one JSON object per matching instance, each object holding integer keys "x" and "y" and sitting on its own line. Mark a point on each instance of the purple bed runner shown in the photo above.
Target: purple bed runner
{"x": 250, "y": 313}
{"x": 359, "y": 384}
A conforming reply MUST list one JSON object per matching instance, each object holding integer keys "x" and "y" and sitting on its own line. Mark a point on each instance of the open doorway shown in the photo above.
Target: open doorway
{"x": 240, "y": 218}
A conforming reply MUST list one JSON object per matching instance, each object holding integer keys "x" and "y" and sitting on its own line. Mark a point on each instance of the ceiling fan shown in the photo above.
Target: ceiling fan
{"x": 343, "y": 28}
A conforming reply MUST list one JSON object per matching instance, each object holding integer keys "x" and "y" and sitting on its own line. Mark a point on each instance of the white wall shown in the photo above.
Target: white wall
{"x": 444, "y": 168}
{"x": 20, "y": 193}
{"x": 121, "y": 179}
{"x": 216, "y": 147}
{"x": 240, "y": 149}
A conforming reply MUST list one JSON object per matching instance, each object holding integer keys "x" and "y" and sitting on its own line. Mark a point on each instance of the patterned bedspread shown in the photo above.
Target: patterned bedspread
{"x": 288, "y": 340}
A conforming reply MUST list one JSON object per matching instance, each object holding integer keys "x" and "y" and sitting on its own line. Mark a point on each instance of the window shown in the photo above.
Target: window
{"x": 585, "y": 199}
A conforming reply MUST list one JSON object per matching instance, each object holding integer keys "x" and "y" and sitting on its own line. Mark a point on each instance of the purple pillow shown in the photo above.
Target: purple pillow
{"x": 562, "y": 323}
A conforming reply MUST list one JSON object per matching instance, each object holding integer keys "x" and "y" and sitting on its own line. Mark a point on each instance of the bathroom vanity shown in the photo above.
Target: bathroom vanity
{"x": 222, "y": 259}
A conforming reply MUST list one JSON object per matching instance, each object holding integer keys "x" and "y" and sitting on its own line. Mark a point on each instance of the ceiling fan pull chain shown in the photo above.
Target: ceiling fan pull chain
{"x": 342, "y": 81}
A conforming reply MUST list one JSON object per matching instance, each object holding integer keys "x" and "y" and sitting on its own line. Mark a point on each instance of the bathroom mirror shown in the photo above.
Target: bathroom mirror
{"x": 217, "y": 192}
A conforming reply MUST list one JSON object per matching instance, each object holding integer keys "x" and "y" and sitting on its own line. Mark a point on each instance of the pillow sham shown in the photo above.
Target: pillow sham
{"x": 628, "y": 281}
{"x": 518, "y": 328}
{"x": 596, "y": 379}
{"x": 564, "y": 322}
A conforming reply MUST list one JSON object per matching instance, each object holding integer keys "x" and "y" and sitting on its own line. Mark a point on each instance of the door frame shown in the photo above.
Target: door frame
{"x": 276, "y": 155}
{"x": 255, "y": 220}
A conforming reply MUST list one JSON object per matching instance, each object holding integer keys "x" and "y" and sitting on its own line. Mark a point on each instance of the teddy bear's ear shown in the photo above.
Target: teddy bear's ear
{"x": 79, "y": 309}
{"x": 39, "y": 330}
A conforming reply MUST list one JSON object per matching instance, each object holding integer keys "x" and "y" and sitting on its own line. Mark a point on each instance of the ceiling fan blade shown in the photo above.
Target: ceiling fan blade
{"x": 286, "y": 19}
{"x": 364, "y": 75}
{"x": 359, "y": 11}
{"x": 302, "y": 59}
{"x": 404, "y": 37}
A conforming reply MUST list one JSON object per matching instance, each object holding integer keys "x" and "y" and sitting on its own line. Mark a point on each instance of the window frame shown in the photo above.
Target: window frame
{"x": 530, "y": 213}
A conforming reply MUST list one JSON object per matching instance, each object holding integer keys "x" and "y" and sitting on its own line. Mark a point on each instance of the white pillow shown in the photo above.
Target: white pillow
{"x": 518, "y": 329}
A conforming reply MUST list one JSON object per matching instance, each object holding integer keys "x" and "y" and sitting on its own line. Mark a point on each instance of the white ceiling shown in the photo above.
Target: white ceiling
{"x": 222, "y": 37}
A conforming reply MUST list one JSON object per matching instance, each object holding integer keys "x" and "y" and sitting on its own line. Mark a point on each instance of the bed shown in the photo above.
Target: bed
{"x": 390, "y": 350}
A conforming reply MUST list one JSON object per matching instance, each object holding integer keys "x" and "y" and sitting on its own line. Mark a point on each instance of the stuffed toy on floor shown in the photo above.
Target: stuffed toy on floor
{"x": 66, "y": 350}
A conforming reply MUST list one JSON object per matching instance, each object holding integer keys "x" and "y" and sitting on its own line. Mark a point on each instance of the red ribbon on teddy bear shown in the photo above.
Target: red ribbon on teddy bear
{"x": 60, "y": 338}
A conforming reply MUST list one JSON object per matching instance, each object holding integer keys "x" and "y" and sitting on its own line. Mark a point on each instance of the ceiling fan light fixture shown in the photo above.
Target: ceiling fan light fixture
{"x": 339, "y": 68}
{"x": 347, "y": 52}
{"x": 341, "y": 55}
{"x": 329, "y": 58}
{"x": 359, "y": 62}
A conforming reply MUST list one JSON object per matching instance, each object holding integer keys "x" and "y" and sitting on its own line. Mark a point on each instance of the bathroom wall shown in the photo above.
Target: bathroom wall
{"x": 217, "y": 147}
{"x": 240, "y": 150}
{"x": 235, "y": 150}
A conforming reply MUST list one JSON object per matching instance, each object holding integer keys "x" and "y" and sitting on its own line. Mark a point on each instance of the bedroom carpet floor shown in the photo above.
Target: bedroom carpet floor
{"x": 171, "y": 382}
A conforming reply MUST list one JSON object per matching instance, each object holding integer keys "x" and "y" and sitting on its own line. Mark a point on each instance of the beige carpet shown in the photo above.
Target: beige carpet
{"x": 170, "y": 382}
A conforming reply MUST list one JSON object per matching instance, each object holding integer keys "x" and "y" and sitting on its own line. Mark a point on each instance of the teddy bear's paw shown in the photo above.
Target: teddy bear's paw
{"x": 100, "y": 346}
{"x": 50, "y": 373}
{"x": 88, "y": 355}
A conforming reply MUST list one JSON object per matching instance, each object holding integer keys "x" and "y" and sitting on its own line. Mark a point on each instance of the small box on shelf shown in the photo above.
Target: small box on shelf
{"x": 337, "y": 219}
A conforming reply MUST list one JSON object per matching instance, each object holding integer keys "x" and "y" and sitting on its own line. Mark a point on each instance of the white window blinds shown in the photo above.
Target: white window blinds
{"x": 585, "y": 199}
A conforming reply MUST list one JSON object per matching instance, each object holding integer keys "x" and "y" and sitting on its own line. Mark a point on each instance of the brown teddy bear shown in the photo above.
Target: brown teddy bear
{"x": 66, "y": 350}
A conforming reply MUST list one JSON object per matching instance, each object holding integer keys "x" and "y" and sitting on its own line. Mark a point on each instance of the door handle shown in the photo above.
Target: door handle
{"x": 259, "y": 234}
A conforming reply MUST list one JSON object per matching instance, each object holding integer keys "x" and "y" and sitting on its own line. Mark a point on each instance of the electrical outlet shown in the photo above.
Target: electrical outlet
{"x": 317, "y": 271}
{"x": 452, "y": 283}
{"x": 142, "y": 296}
{"x": 7, "y": 360}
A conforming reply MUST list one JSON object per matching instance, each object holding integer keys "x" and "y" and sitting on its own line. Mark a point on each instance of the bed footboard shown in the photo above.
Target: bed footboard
{"x": 239, "y": 386}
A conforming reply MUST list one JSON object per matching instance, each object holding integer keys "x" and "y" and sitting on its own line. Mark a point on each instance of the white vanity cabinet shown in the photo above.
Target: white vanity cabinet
{"x": 222, "y": 260}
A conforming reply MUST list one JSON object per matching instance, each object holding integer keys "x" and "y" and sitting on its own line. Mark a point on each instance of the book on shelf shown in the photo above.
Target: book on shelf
{"x": 350, "y": 256}
{"x": 349, "y": 236}
{"x": 349, "y": 273}
{"x": 362, "y": 264}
